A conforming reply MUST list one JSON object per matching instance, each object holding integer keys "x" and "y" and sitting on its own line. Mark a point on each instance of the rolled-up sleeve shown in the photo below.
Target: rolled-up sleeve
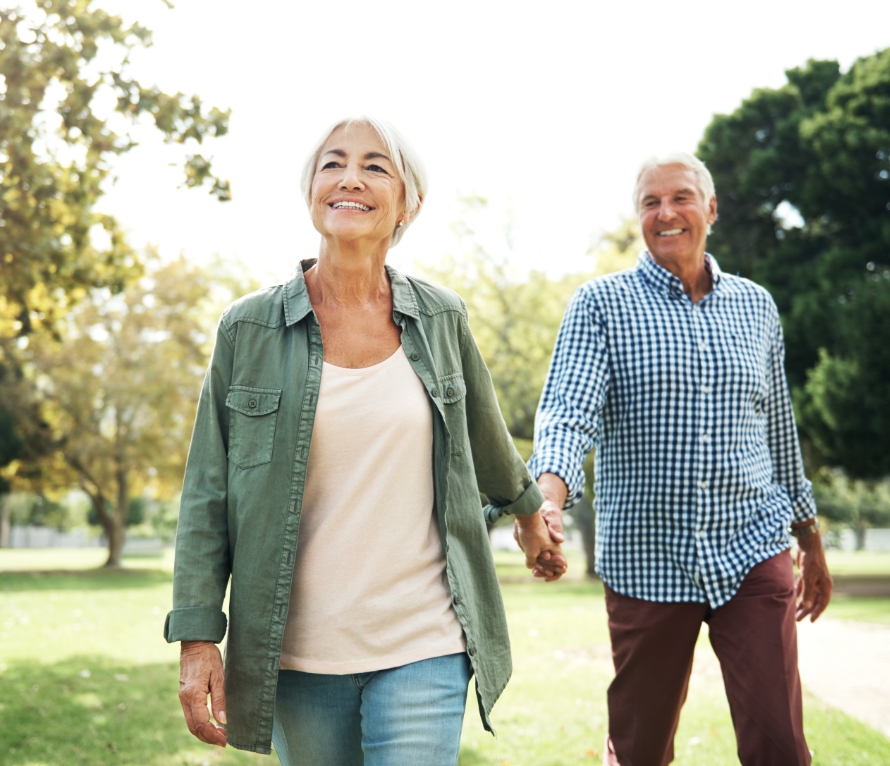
{"x": 500, "y": 472}
{"x": 202, "y": 566}
{"x": 575, "y": 391}
{"x": 781, "y": 434}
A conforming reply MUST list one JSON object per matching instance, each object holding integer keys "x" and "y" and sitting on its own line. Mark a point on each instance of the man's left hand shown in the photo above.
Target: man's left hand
{"x": 814, "y": 584}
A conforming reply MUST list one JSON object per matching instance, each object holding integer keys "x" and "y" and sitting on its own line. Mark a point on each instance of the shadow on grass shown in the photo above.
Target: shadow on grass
{"x": 88, "y": 710}
{"x": 83, "y": 579}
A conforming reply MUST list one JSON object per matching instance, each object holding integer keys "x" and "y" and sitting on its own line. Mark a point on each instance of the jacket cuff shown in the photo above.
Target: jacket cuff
{"x": 525, "y": 505}
{"x": 195, "y": 623}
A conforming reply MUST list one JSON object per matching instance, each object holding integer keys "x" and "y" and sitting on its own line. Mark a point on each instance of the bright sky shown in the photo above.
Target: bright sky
{"x": 546, "y": 109}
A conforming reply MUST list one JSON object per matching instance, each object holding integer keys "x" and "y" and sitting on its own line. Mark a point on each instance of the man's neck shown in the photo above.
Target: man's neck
{"x": 693, "y": 274}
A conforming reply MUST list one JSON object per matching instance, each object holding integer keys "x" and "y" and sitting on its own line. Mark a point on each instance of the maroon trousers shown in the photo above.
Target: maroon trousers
{"x": 754, "y": 636}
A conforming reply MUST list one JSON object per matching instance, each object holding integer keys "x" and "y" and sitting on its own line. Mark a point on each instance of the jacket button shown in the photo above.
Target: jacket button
{"x": 450, "y": 391}
{"x": 252, "y": 404}
{"x": 415, "y": 356}
{"x": 456, "y": 600}
{"x": 471, "y": 650}
{"x": 435, "y": 392}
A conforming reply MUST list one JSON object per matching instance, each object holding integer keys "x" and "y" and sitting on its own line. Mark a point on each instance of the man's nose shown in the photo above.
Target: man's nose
{"x": 666, "y": 211}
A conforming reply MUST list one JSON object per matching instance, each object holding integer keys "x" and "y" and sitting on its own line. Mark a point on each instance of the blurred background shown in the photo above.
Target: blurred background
{"x": 149, "y": 174}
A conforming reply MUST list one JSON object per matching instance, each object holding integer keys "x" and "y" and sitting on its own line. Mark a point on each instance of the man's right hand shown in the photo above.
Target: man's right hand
{"x": 200, "y": 674}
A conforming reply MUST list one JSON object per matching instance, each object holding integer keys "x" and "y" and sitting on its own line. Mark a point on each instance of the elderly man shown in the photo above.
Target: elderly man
{"x": 674, "y": 372}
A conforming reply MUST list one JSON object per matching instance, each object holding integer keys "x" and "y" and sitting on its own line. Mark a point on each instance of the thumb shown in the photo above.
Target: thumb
{"x": 218, "y": 697}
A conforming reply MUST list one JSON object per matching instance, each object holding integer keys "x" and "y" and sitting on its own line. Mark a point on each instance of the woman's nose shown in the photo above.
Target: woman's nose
{"x": 351, "y": 178}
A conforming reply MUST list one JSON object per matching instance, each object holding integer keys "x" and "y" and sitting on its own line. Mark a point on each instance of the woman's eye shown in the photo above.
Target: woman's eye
{"x": 376, "y": 168}
{"x": 329, "y": 165}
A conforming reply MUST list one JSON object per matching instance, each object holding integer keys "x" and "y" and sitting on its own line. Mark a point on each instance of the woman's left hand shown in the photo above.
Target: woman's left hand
{"x": 541, "y": 542}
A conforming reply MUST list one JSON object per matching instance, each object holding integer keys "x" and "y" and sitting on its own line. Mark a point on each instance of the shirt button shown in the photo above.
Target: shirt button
{"x": 706, "y": 437}
{"x": 456, "y": 600}
{"x": 471, "y": 650}
{"x": 706, "y": 389}
{"x": 702, "y": 345}
{"x": 703, "y": 484}
{"x": 700, "y": 533}
{"x": 252, "y": 404}
{"x": 435, "y": 392}
{"x": 449, "y": 391}
{"x": 415, "y": 356}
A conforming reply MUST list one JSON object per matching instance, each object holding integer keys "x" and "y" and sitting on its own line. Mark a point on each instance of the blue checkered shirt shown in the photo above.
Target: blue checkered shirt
{"x": 698, "y": 467}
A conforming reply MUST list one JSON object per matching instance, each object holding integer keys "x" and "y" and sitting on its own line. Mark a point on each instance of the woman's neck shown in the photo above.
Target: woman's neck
{"x": 347, "y": 276}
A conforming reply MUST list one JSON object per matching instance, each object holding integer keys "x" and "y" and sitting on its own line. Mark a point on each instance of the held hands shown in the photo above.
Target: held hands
{"x": 814, "y": 583}
{"x": 540, "y": 536}
{"x": 200, "y": 674}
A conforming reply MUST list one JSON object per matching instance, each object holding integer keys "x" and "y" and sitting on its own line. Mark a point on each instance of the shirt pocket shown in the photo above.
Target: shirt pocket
{"x": 453, "y": 391}
{"x": 254, "y": 412}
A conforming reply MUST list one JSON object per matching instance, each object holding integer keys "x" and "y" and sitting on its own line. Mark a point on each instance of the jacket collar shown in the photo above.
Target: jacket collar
{"x": 296, "y": 294}
{"x": 666, "y": 283}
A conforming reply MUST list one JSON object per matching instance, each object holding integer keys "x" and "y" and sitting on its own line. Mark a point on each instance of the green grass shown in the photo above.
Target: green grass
{"x": 86, "y": 677}
{"x": 858, "y": 563}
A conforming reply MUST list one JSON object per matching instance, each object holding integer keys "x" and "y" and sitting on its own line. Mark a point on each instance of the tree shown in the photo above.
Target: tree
{"x": 57, "y": 142}
{"x": 803, "y": 185}
{"x": 120, "y": 394}
{"x": 67, "y": 101}
{"x": 860, "y": 504}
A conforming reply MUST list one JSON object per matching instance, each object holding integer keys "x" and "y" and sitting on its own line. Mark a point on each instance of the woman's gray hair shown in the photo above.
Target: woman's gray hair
{"x": 409, "y": 166}
{"x": 688, "y": 161}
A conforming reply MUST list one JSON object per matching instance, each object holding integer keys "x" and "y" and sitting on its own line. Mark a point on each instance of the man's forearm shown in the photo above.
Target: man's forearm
{"x": 554, "y": 489}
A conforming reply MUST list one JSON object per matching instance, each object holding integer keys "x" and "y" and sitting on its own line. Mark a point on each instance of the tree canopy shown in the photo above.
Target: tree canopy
{"x": 68, "y": 104}
{"x": 803, "y": 187}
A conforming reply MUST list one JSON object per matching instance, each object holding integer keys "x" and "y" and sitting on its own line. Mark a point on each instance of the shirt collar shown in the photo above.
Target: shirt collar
{"x": 665, "y": 282}
{"x": 296, "y": 295}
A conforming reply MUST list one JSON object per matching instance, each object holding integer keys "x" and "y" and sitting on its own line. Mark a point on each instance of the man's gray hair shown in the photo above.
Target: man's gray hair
{"x": 688, "y": 161}
{"x": 409, "y": 166}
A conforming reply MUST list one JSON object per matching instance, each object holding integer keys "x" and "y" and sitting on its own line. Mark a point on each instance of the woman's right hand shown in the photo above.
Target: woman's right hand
{"x": 200, "y": 674}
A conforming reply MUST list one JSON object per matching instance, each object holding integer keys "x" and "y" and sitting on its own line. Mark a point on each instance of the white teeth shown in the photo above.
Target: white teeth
{"x": 349, "y": 206}
{"x": 670, "y": 233}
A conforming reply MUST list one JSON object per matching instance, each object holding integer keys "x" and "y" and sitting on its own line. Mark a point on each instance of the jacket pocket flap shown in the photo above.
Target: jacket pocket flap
{"x": 253, "y": 401}
{"x": 453, "y": 388}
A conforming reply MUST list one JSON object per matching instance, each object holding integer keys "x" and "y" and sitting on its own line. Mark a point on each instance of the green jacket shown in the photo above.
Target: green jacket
{"x": 246, "y": 471}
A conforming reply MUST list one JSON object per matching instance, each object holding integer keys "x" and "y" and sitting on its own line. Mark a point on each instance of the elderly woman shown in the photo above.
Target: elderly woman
{"x": 345, "y": 429}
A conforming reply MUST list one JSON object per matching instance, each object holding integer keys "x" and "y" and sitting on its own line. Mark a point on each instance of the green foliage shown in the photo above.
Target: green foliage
{"x": 803, "y": 186}
{"x": 61, "y": 63}
{"x": 119, "y": 394}
{"x": 856, "y": 502}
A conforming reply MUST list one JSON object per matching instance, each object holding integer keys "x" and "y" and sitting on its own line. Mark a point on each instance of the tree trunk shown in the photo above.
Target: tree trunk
{"x": 114, "y": 531}
{"x": 585, "y": 520}
{"x": 860, "y": 529}
{"x": 5, "y": 529}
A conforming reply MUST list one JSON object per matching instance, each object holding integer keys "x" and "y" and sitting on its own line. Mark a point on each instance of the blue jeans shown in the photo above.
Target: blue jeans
{"x": 406, "y": 716}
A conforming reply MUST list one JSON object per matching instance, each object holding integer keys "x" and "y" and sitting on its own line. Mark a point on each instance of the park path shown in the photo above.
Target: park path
{"x": 847, "y": 665}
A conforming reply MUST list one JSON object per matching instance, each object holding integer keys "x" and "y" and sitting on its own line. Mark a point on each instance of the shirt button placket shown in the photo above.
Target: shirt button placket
{"x": 703, "y": 452}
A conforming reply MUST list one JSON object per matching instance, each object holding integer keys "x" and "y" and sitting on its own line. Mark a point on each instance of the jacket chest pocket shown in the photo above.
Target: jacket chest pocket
{"x": 254, "y": 412}
{"x": 453, "y": 391}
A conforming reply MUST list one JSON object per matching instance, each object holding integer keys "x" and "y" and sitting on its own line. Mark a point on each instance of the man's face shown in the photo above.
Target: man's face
{"x": 674, "y": 218}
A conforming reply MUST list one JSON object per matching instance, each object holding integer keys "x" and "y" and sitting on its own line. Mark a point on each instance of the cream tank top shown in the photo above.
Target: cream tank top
{"x": 369, "y": 590}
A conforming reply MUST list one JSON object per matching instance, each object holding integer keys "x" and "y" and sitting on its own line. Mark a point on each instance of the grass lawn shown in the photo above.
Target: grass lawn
{"x": 86, "y": 677}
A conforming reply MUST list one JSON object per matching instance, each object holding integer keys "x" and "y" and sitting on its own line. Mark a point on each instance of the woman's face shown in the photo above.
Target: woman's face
{"x": 356, "y": 193}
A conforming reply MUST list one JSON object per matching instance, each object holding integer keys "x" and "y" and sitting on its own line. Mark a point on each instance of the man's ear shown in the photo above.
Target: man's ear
{"x": 712, "y": 210}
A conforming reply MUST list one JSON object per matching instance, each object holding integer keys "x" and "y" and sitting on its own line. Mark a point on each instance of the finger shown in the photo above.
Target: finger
{"x": 218, "y": 696}
{"x": 196, "y": 715}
